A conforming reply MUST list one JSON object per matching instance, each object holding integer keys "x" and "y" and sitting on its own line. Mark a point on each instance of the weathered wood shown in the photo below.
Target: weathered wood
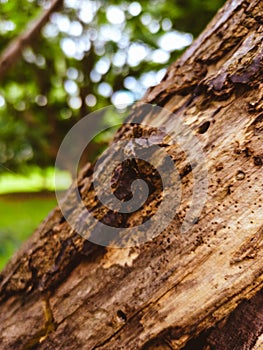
{"x": 241, "y": 330}
{"x": 62, "y": 292}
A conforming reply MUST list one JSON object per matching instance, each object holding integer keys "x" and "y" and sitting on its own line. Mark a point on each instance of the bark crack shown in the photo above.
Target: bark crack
{"x": 48, "y": 326}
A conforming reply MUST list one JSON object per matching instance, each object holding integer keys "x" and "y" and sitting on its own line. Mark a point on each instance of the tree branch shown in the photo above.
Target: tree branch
{"x": 14, "y": 50}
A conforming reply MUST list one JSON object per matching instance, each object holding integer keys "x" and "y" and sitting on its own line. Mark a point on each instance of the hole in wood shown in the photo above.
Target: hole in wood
{"x": 121, "y": 315}
{"x": 204, "y": 127}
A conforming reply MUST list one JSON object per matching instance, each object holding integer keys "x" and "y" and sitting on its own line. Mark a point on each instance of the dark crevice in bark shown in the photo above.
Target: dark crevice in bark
{"x": 240, "y": 330}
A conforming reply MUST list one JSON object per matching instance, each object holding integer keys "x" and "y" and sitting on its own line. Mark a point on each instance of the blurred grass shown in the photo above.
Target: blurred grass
{"x": 25, "y": 200}
{"x": 35, "y": 180}
{"x": 19, "y": 217}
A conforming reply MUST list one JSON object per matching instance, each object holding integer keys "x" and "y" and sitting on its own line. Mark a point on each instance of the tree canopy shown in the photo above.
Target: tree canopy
{"x": 90, "y": 54}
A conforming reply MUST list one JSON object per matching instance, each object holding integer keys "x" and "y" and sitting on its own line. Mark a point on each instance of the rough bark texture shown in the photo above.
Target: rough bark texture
{"x": 62, "y": 292}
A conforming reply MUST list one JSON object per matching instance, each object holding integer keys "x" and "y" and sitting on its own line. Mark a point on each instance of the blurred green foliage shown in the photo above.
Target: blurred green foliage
{"x": 90, "y": 54}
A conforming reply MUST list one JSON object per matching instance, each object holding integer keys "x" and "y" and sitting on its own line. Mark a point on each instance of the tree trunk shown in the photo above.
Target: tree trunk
{"x": 61, "y": 291}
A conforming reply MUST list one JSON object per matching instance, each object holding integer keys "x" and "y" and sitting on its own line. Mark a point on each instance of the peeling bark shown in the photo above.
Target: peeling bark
{"x": 72, "y": 294}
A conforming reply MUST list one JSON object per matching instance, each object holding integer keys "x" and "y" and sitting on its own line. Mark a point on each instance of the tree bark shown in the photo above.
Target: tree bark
{"x": 61, "y": 291}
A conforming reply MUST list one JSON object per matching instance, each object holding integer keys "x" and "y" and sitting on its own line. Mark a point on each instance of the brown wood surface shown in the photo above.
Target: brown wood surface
{"x": 62, "y": 292}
